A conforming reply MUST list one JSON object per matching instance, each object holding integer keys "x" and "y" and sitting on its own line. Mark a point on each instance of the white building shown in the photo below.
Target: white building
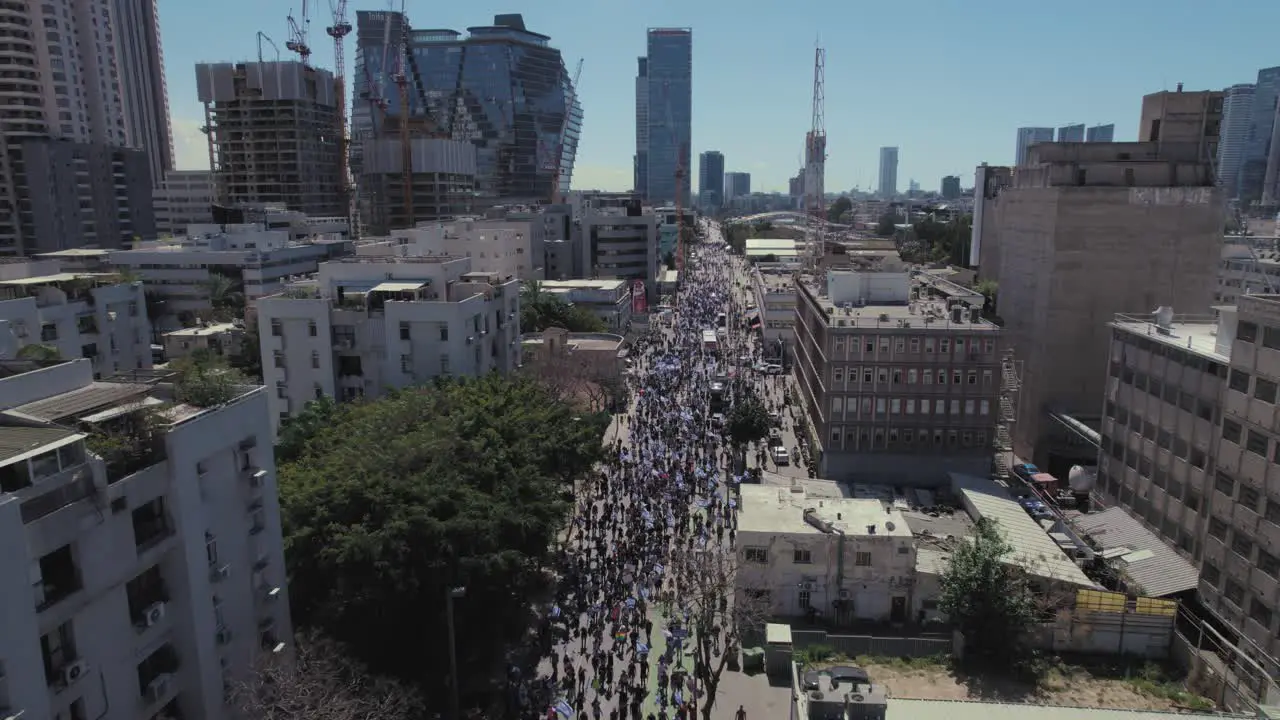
{"x": 136, "y": 585}
{"x": 369, "y": 323}
{"x": 256, "y": 260}
{"x": 610, "y": 300}
{"x": 813, "y": 550}
{"x": 182, "y": 198}
{"x": 94, "y": 316}
{"x": 775, "y": 296}
{"x": 509, "y": 248}
{"x": 221, "y": 339}
{"x": 620, "y": 246}
{"x": 1249, "y": 264}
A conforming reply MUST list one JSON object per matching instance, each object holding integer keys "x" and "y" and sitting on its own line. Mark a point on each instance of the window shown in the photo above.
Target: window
{"x": 802, "y": 556}
{"x": 805, "y": 599}
{"x": 973, "y": 377}
{"x": 282, "y": 391}
{"x": 444, "y": 333}
{"x": 757, "y": 555}
{"x": 911, "y": 406}
{"x": 1238, "y": 381}
{"x": 1268, "y": 563}
{"x": 211, "y": 548}
{"x": 1234, "y": 592}
{"x": 862, "y": 559}
{"x": 59, "y": 650}
{"x": 311, "y": 328}
{"x": 1265, "y": 390}
{"x": 1249, "y": 497}
{"x": 1217, "y": 528}
{"x": 1271, "y": 338}
{"x": 277, "y": 327}
{"x": 913, "y": 375}
{"x": 404, "y": 331}
{"x": 1224, "y": 484}
{"x": 1231, "y": 430}
{"x": 1210, "y": 574}
{"x": 315, "y": 359}
{"x": 1256, "y": 442}
{"x": 1260, "y": 612}
{"x": 277, "y": 358}
{"x": 944, "y": 345}
{"x": 406, "y": 363}
{"x": 1242, "y": 545}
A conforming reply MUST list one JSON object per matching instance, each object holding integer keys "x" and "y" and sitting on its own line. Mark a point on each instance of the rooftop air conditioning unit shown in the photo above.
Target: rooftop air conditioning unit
{"x": 72, "y": 672}
{"x": 153, "y": 614}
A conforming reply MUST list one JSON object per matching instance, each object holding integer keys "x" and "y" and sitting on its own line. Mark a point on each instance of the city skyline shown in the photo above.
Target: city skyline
{"x": 727, "y": 118}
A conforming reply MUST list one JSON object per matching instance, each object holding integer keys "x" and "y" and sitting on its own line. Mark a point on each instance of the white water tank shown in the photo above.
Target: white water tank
{"x": 1080, "y": 480}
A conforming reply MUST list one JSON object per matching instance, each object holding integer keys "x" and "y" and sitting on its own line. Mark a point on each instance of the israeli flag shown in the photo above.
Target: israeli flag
{"x": 641, "y": 648}
{"x": 564, "y": 709}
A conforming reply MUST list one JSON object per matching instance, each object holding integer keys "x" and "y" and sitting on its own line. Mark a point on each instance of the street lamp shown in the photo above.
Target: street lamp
{"x": 452, "y": 594}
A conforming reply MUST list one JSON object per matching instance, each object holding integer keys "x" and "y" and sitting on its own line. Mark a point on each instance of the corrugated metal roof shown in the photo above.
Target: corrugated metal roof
{"x": 1159, "y": 571}
{"x": 904, "y": 709}
{"x": 77, "y": 402}
{"x": 1032, "y": 547}
{"x": 16, "y": 440}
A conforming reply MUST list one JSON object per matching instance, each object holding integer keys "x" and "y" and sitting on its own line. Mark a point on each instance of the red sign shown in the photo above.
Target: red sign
{"x": 639, "y": 298}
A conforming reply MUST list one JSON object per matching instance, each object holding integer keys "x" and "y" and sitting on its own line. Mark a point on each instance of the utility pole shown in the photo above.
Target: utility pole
{"x": 449, "y": 596}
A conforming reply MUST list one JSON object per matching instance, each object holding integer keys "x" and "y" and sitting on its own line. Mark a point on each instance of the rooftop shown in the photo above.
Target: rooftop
{"x": 1142, "y": 557}
{"x": 17, "y": 442}
{"x": 1197, "y": 334}
{"x": 75, "y": 253}
{"x": 83, "y": 400}
{"x": 601, "y": 284}
{"x": 205, "y": 330}
{"x": 783, "y": 510}
{"x": 904, "y": 709}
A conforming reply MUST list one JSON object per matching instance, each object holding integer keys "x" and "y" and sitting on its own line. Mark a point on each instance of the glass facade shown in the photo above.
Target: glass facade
{"x": 669, "y": 66}
{"x": 501, "y": 87}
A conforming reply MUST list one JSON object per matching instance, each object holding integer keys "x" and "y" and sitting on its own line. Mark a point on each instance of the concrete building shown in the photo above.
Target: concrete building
{"x": 220, "y": 339}
{"x": 1028, "y": 136}
{"x": 184, "y": 197}
{"x": 669, "y": 99}
{"x": 896, "y": 386}
{"x": 1071, "y": 133}
{"x": 137, "y": 584}
{"x": 95, "y": 316}
{"x": 1233, "y": 140}
{"x": 774, "y": 290}
{"x": 364, "y": 324}
{"x": 588, "y": 366}
{"x": 1101, "y": 133}
{"x": 984, "y": 248}
{"x": 1183, "y": 118}
{"x": 255, "y": 261}
{"x": 736, "y": 185}
{"x": 640, "y": 170}
{"x": 622, "y": 247}
{"x": 510, "y": 248}
{"x": 609, "y": 300}
{"x": 1249, "y": 264}
{"x": 1257, "y": 148}
{"x": 888, "y": 187}
{"x": 268, "y": 129}
{"x": 442, "y": 183}
{"x": 711, "y": 179}
{"x": 145, "y": 93}
{"x": 826, "y": 556}
{"x": 950, "y": 187}
{"x": 1086, "y": 231}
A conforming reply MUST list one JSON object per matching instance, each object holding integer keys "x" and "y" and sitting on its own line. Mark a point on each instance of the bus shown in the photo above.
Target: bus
{"x": 709, "y": 341}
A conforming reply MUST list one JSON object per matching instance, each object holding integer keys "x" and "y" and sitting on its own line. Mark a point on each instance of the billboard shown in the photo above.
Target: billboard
{"x": 639, "y": 298}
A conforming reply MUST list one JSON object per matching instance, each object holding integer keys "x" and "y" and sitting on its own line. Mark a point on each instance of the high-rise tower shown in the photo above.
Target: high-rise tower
{"x": 669, "y": 66}
{"x": 642, "y": 127}
{"x": 1028, "y": 136}
{"x": 1237, "y": 115}
{"x": 888, "y": 172}
{"x": 711, "y": 179}
{"x": 145, "y": 94}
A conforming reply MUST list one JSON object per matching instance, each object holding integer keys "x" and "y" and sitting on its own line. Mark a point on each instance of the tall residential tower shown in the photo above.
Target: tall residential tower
{"x": 711, "y": 179}
{"x": 641, "y": 160}
{"x": 669, "y": 118}
{"x": 1237, "y": 116}
{"x": 888, "y": 172}
{"x": 1071, "y": 133}
{"x": 1101, "y": 133}
{"x": 146, "y": 95}
{"x": 1028, "y": 136}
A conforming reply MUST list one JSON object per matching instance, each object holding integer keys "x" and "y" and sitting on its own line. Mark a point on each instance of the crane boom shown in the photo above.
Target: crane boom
{"x": 401, "y": 78}
{"x": 339, "y": 31}
{"x": 297, "y": 41}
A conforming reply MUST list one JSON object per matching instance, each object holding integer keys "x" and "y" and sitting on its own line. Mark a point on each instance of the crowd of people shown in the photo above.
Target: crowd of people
{"x": 620, "y": 641}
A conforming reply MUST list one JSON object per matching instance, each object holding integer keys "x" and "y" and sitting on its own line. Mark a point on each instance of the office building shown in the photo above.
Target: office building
{"x": 622, "y": 247}
{"x": 1233, "y": 140}
{"x": 144, "y": 569}
{"x": 1190, "y": 448}
{"x": 897, "y": 387}
{"x": 1086, "y": 231}
{"x": 145, "y": 93}
{"x": 269, "y": 124}
{"x": 641, "y": 160}
{"x": 508, "y": 248}
{"x": 1257, "y": 144}
{"x": 1185, "y": 118}
{"x": 1028, "y": 136}
{"x": 443, "y": 182}
{"x": 365, "y": 324}
{"x": 669, "y": 71}
{"x": 609, "y": 300}
{"x": 1071, "y": 133}
{"x": 988, "y": 181}
{"x": 99, "y": 317}
{"x": 950, "y": 187}
{"x": 888, "y": 186}
{"x": 774, "y": 291}
{"x": 501, "y": 88}
{"x": 184, "y": 197}
{"x": 711, "y": 179}
{"x": 1100, "y": 133}
{"x": 736, "y": 185}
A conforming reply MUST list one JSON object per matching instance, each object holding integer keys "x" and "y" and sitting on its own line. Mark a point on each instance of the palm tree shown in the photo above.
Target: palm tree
{"x": 225, "y": 296}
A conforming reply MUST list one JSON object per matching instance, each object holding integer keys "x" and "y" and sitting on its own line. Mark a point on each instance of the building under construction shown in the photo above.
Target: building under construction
{"x": 442, "y": 181}
{"x": 273, "y": 138}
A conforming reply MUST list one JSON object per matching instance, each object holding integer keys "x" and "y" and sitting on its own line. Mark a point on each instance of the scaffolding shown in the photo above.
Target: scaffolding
{"x": 1007, "y": 415}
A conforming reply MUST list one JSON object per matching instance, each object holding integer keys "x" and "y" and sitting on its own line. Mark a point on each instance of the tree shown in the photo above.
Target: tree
{"x": 885, "y": 228}
{"x": 838, "y": 208}
{"x": 669, "y": 259}
{"x": 987, "y": 598}
{"x": 248, "y": 355}
{"x": 226, "y": 295}
{"x": 990, "y": 292}
{"x": 395, "y": 501}
{"x": 707, "y": 590}
{"x": 205, "y": 380}
{"x": 748, "y": 422}
{"x": 321, "y": 682}
{"x": 42, "y": 355}
{"x": 540, "y": 310}
{"x": 298, "y": 430}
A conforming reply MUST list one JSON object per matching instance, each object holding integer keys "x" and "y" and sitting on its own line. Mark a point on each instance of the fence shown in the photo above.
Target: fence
{"x": 872, "y": 646}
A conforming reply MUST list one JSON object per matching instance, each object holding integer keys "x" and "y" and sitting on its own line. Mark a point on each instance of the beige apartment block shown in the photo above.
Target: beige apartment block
{"x": 1183, "y": 118}
{"x": 898, "y": 388}
{"x": 1088, "y": 230}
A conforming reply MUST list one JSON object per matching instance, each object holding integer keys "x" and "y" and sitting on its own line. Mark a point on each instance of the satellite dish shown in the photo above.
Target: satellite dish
{"x": 889, "y": 526}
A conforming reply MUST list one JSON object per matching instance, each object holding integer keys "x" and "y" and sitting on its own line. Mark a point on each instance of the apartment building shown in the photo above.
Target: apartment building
{"x": 1249, "y": 264}
{"x": 182, "y": 198}
{"x": 623, "y": 247}
{"x": 363, "y": 324}
{"x": 898, "y": 388}
{"x": 144, "y": 571}
{"x": 100, "y": 317}
{"x": 252, "y": 259}
{"x": 510, "y": 248}
{"x": 837, "y": 558}
{"x": 1183, "y": 118}
{"x": 775, "y": 312}
{"x": 609, "y": 300}
{"x": 219, "y": 339}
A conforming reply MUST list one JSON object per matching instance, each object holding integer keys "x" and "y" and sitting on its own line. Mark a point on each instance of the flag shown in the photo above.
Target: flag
{"x": 620, "y": 635}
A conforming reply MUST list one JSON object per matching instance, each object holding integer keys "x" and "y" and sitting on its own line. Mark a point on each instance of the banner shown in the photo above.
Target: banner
{"x": 639, "y": 298}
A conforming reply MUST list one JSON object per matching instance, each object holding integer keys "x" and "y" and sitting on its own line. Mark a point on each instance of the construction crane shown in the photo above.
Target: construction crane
{"x": 297, "y": 41}
{"x": 339, "y": 31}
{"x": 401, "y": 78}
{"x": 571, "y": 101}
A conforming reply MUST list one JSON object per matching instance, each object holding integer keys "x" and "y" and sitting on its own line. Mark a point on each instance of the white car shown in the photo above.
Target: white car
{"x": 773, "y": 369}
{"x": 717, "y": 420}
{"x": 781, "y": 456}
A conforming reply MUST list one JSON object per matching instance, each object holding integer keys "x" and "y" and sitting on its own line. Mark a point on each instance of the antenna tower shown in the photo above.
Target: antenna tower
{"x": 815, "y": 152}
{"x": 339, "y": 31}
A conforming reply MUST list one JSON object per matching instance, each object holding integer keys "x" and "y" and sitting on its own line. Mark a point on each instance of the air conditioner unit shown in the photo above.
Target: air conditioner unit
{"x": 273, "y": 594}
{"x": 219, "y": 574}
{"x": 72, "y": 672}
{"x": 153, "y": 614}
{"x": 223, "y": 636}
{"x": 844, "y": 594}
{"x": 158, "y": 688}
{"x": 258, "y": 479}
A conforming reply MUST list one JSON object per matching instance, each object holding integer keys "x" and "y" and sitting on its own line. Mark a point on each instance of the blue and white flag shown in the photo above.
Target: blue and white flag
{"x": 564, "y": 709}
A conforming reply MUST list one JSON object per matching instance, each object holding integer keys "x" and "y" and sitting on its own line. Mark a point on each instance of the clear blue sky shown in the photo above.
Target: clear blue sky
{"x": 947, "y": 81}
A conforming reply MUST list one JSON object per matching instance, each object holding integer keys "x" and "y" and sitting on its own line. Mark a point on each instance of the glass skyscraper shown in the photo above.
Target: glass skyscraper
{"x": 502, "y": 87}
{"x": 669, "y": 67}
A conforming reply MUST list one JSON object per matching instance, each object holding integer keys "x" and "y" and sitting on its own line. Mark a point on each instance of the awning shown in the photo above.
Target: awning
{"x": 753, "y": 314}
{"x": 397, "y": 287}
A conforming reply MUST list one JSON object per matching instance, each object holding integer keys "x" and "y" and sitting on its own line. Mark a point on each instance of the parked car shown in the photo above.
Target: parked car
{"x": 771, "y": 369}
{"x": 781, "y": 456}
{"x": 1025, "y": 470}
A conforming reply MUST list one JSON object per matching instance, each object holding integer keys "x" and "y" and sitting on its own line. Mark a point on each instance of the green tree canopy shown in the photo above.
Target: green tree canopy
{"x": 988, "y": 599}
{"x": 885, "y": 227}
{"x": 748, "y": 420}
{"x": 540, "y": 310}
{"x": 838, "y": 208}
{"x": 394, "y": 501}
